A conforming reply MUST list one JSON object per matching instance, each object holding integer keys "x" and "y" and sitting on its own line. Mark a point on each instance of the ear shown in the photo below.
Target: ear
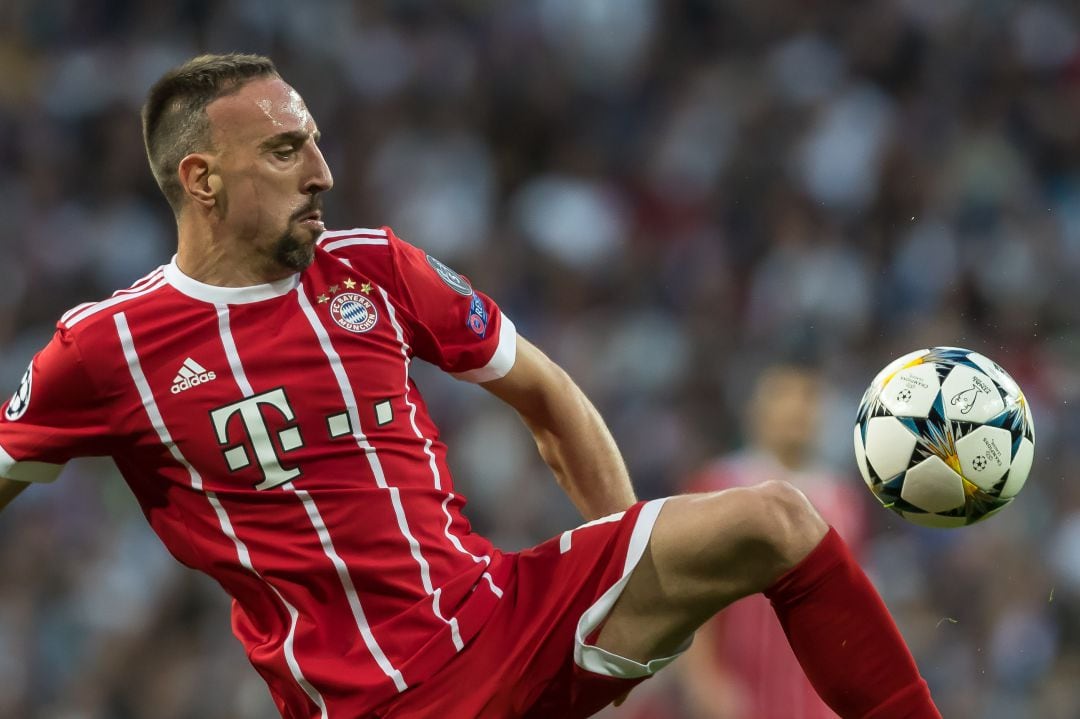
{"x": 199, "y": 181}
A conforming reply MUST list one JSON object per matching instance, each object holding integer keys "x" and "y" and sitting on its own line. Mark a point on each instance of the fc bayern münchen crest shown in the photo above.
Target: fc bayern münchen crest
{"x": 354, "y": 312}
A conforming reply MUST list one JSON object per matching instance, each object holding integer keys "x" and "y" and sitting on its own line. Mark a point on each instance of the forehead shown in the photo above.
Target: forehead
{"x": 260, "y": 109}
{"x": 786, "y": 382}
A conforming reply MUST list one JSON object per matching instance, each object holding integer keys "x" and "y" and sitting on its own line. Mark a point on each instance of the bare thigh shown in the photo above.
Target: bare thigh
{"x": 706, "y": 551}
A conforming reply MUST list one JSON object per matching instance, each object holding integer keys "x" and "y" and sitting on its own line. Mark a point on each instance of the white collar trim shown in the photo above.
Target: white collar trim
{"x": 227, "y": 295}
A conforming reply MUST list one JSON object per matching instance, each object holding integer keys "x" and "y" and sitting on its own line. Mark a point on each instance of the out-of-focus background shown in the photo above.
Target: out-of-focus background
{"x": 664, "y": 195}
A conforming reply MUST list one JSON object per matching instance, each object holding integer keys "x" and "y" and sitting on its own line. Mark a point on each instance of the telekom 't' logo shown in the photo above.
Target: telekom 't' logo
{"x": 266, "y": 456}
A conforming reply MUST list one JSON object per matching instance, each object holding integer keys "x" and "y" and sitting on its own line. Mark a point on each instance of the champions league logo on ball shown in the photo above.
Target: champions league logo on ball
{"x": 354, "y": 312}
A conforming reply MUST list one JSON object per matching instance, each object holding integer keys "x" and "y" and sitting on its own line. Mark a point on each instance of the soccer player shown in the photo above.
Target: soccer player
{"x": 740, "y": 666}
{"x": 255, "y": 394}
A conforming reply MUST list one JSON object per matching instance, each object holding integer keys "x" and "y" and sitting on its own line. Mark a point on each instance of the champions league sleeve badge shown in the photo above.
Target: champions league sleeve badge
{"x": 21, "y": 400}
{"x": 452, "y": 279}
{"x": 354, "y": 312}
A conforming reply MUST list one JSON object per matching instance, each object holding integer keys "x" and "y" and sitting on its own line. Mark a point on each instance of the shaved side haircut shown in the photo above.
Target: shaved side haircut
{"x": 174, "y": 117}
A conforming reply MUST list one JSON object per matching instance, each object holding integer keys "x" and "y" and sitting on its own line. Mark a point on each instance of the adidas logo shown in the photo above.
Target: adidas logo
{"x": 191, "y": 374}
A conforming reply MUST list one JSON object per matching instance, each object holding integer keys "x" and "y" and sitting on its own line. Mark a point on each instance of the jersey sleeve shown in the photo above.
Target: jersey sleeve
{"x": 455, "y": 326}
{"x": 53, "y": 416}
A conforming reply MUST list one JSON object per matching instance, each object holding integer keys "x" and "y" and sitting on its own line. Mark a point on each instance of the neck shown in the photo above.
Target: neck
{"x": 792, "y": 458}
{"x": 220, "y": 262}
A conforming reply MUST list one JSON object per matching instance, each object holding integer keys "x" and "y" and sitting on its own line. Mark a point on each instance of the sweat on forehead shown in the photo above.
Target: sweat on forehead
{"x": 266, "y": 105}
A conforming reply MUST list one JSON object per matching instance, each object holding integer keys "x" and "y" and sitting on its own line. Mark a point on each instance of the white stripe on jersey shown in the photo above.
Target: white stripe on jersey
{"x": 81, "y": 315}
{"x": 491, "y": 582}
{"x": 230, "y": 351}
{"x": 229, "y": 343}
{"x": 454, "y": 633}
{"x": 372, "y": 457}
{"x": 294, "y": 616}
{"x": 127, "y": 342}
{"x": 367, "y": 232}
{"x": 436, "y": 476}
{"x": 136, "y": 286}
{"x": 412, "y": 407}
{"x": 350, "y": 589}
{"x": 75, "y": 310}
{"x": 158, "y": 422}
{"x": 142, "y": 281}
{"x": 350, "y": 242}
{"x": 483, "y": 559}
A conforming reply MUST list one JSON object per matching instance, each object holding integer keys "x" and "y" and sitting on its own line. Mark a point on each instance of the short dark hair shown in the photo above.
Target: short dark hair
{"x": 174, "y": 117}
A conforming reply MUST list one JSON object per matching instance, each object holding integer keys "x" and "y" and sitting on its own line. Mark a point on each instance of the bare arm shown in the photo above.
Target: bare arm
{"x": 569, "y": 432}
{"x": 9, "y": 490}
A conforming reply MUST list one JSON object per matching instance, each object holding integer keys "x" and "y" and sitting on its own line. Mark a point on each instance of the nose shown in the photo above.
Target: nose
{"x": 318, "y": 178}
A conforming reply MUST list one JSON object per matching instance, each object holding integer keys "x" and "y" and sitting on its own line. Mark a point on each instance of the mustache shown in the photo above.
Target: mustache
{"x": 316, "y": 205}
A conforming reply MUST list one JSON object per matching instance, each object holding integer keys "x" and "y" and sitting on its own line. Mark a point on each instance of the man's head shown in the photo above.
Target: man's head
{"x": 228, "y": 139}
{"x": 783, "y": 411}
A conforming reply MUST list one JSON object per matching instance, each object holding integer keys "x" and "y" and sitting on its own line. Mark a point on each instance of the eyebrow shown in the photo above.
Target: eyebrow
{"x": 292, "y": 137}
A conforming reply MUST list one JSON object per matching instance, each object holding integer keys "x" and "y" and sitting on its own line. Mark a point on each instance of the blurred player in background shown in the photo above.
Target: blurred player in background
{"x": 741, "y": 666}
{"x": 255, "y": 395}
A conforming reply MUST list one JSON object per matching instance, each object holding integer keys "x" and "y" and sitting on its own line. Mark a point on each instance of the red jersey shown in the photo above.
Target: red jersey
{"x": 274, "y": 440}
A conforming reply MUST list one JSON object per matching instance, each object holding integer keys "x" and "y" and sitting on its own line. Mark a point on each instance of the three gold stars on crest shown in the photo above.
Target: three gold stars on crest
{"x": 349, "y": 283}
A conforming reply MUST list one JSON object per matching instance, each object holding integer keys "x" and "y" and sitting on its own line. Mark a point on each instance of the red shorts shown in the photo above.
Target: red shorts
{"x": 532, "y": 659}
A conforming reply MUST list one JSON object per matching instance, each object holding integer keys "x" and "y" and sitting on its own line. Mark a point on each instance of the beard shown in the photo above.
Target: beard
{"x": 293, "y": 252}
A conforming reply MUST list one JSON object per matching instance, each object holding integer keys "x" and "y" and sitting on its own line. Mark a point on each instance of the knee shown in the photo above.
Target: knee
{"x": 785, "y": 523}
{"x": 710, "y": 549}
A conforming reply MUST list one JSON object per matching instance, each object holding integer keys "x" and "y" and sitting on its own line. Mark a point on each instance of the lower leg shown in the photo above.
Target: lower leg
{"x": 845, "y": 639}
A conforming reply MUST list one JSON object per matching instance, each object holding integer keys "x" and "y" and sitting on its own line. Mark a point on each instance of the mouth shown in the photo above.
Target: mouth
{"x": 312, "y": 219}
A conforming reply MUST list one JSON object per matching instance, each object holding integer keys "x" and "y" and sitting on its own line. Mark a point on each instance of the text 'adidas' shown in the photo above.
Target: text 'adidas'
{"x": 191, "y": 374}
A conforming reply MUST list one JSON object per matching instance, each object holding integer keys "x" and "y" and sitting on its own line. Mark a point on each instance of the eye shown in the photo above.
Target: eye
{"x": 284, "y": 153}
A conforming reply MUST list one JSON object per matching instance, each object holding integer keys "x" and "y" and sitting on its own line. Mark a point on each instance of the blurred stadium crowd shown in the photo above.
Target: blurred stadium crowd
{"x": 664, "y": 195}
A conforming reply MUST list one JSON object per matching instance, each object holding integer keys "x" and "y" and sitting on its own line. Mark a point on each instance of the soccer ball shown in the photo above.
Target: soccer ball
{"x": 944, "y": 437}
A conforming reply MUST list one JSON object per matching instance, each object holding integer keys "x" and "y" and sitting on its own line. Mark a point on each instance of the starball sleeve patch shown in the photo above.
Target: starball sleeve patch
{"x": 455, "y": 281}
{"x": 20, "y": 401}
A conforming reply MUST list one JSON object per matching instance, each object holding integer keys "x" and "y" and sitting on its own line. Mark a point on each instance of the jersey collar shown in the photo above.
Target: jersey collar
{"x": 227, "y": 295}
